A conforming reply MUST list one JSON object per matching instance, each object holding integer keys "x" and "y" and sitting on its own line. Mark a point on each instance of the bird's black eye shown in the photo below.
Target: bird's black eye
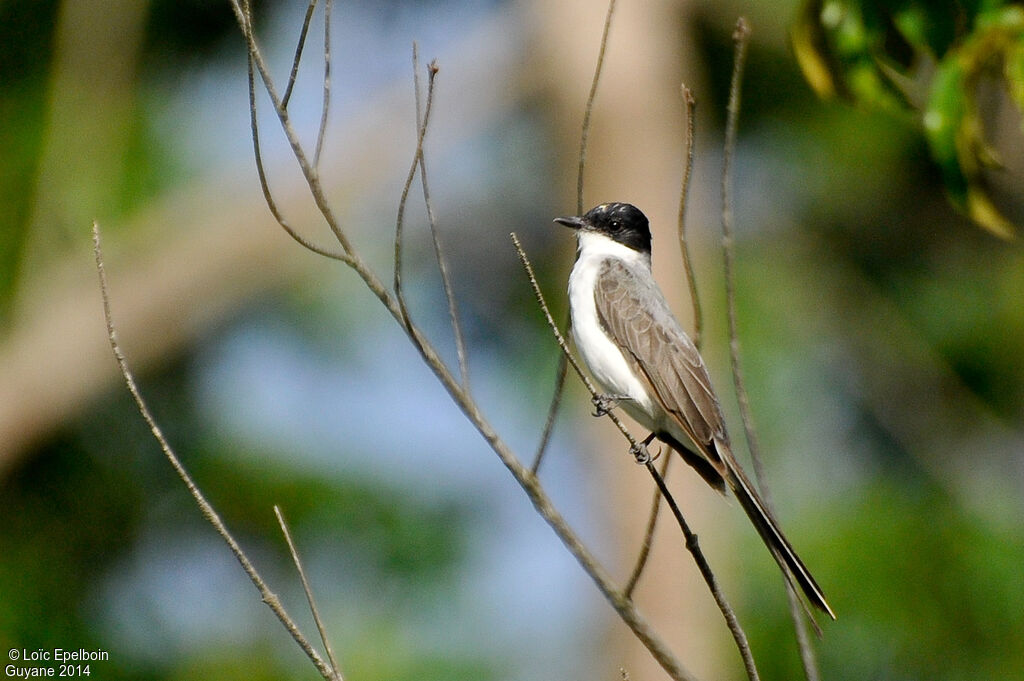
{"x": 616, "y": 225}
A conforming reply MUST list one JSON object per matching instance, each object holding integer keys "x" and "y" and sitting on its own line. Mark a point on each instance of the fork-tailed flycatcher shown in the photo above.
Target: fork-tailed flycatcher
{"x": 641, "y": 356}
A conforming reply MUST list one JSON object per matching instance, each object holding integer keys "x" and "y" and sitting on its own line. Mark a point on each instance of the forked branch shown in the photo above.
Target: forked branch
{"x": 455, "y": 388}
{"x": 205, "y": 507}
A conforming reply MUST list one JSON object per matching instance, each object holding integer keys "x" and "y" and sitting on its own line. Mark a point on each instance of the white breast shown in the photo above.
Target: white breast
{"x": 601, "y": 355}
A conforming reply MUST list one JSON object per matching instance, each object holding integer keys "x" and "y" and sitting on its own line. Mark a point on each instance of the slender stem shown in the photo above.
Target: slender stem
{"x": 242, "y": 16}
{"x": 690, "y": 105}
{"x": 205, "y": 507}
{"x": 645, "y": 545}
{"x": 435, "y": 237}
{"x": 326, "y": 100}
{"x": 298, "y": 52}
{"x": 556, "y": 402}
{"x": 709, "y": 577}
{"x": 264, "y": 185}
{"x": 417, "y": 162}
{"x": 560, "y": 372}
{"x": 585, "y": 132}
{"x": 741, "y": 39}
{"x": 335, "y": 669}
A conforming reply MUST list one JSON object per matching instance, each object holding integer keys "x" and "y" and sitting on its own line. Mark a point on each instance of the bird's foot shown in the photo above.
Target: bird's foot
{"x": 604, "y": 403}
{"x": 642, "y": 454}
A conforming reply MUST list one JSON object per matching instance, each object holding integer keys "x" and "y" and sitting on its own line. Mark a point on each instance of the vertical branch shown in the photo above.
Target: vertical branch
{"x": 645, "y": 545}
{"x": 417, "y": 155}
{"x": 556, "y": 397}
{"x": 741, "y": 37}
{"x": 205, "y": 507}
{"x": 556, "y": 401}
{"x": 298, "y": 51}
{"x": 689, "y": 105}
{"x": 243, "y": 16}
{"x": 590, "y": 106}
{"x": 326, "y": 105}
{"x": 335, "y": 669}
{"x": 442, "y": 262}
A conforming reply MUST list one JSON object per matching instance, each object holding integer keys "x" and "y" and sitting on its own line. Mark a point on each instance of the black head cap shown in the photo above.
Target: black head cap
{"x": 622, "y": 222}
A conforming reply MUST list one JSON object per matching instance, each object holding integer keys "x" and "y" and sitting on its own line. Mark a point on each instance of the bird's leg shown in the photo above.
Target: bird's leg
{"x": 605, "y": 402}
{"x": 640, "y": 453}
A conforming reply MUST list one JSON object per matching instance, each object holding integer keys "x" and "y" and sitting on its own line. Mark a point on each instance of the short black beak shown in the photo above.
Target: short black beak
{"x": 574, "y": 222}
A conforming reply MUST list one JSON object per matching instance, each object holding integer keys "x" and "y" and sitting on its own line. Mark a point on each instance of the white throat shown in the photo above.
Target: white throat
{"x": 596, "y": 246}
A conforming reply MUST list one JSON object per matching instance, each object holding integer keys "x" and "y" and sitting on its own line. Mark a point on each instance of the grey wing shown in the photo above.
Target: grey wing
{"x": 636, "y": 316}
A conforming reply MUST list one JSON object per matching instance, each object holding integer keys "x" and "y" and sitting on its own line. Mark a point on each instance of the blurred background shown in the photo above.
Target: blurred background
{"x": 883, "y": 337}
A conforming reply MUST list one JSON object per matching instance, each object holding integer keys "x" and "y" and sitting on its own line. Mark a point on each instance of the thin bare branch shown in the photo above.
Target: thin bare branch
{"x": 741, "y": 39}
{"x": 585, "y": 132}
{"x": 335, "y": 669}
{"x": 309, "y": 172}
{"x": 556, "y": 402}
{"x": 690, "y": 106}
{"x": 325, "y": 106}
{"x": 739, "y": 636}
{"x": 207, "y": 510}
{"x": 640, "y": 452}
{"x": 442, "y": 261}
{"x": 652, "y": 523}
{"x": 556, "y": 397}
{"x": 265, "y": 187}
{"x": 298, "y": 52}
{"x": 417, "y": 161}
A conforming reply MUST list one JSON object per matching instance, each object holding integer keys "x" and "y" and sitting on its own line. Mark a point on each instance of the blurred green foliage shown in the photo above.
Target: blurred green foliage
{"x": 929, "y": 592}
{"x": 928, "y": 58}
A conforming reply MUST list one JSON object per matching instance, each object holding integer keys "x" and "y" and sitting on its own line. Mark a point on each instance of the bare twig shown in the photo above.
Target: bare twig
{"x": 335, "y": 669}
{"x": 709, "y": 577}
{"x": 207, "y": 510}
{"x": 326, "y": 99}
{"x": 652, "y": 522}
{"x": 556, "y": 397}
{"x": 417, "y": 160}
{"x": 741, "y": 37}
{"x": 639, "y": 451}
{"x": 556, "y": 401}
{"x": 309, "y": 172}
{"x": 298, "y": 52}
{"x": 590, "y": 106}
{"x": 442, "y": 261}
{"x": 261, "y": 171}
{"x": 690, "y": 105}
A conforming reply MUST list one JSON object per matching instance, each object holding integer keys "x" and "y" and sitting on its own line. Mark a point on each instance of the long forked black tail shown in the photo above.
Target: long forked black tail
{"x": 792, "y": 567}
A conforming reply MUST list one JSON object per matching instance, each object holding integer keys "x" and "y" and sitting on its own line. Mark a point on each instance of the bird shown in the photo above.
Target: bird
{"x": 640, "y": 355}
